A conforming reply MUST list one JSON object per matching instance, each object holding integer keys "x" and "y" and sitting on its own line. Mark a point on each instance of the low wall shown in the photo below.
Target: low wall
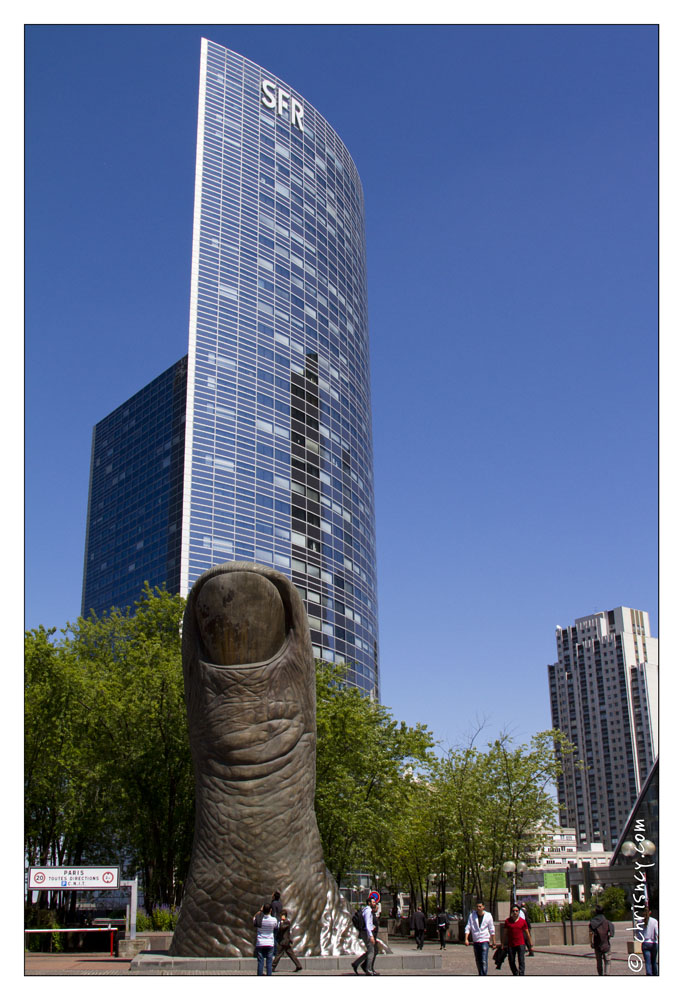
{"x": 542, "y": 934}
{"x": 554, "y": 933}
{"x": 154, "y": 941}
{"x": 158, "y": 941}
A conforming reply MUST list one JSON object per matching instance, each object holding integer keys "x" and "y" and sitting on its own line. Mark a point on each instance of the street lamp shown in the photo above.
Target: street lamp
{"x": 629, "y": 849}
{"x": 644, "y": 847}
{"x": 513, "y": 869}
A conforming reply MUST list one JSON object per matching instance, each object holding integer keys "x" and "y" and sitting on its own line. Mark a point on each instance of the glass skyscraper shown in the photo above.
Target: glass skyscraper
{"x": 277, "y": 459}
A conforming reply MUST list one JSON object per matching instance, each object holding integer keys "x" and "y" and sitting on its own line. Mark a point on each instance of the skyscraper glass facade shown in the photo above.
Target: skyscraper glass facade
{"x": 278, "y": 449}
{"x": 134, "y": 519}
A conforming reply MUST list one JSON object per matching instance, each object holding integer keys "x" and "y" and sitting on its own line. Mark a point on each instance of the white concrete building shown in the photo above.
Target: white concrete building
{"x": 603, "y": 695}
{"x": 548, "y": 867}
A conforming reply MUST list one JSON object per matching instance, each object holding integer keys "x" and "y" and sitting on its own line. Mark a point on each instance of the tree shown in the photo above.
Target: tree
{"x": 500, "y": 803}
{"x": 411, "y": 849}
{"x": 65, "y": 814}
{"x": 108, "y": 769}
{"x": 138, "y": 734}
{"x": 362, "y": 760}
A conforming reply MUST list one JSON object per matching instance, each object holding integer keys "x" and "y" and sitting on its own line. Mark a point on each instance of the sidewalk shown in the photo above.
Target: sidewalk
{"x": 77, "y": 964}
{"x": 458, "y": 960}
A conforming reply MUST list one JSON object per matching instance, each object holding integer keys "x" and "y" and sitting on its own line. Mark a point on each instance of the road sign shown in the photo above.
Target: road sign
{"x": 74, "y": 878}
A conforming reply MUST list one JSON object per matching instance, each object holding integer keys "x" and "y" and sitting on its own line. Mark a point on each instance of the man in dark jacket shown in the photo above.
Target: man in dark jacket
{"x": 418, "y": 923}
{"x": 284, "y": 940}
{"x": 601, "y": 931}
{"x": 442, "y": 925}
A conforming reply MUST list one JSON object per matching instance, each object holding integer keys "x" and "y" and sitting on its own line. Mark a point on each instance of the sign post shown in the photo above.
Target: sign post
{"x": 60, "y": 879}
{"x": 132, "y": 907}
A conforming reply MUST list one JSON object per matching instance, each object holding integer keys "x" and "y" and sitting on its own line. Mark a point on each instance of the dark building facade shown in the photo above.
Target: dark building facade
{"x": 136, "y": 492}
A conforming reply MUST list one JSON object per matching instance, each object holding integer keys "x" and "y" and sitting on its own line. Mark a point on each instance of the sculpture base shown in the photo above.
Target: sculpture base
{"x": 160, "y": 964}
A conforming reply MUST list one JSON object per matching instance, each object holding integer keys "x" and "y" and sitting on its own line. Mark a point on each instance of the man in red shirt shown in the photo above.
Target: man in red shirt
{"x": 515, "y": 934}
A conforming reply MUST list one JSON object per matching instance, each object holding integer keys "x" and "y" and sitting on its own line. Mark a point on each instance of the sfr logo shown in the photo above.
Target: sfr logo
{"x": 275, "y": 97}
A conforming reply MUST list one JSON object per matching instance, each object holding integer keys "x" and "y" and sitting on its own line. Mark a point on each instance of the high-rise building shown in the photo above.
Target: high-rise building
{"x": 133, "y": 527}
{"x": 276, "y": 462}
{"x": 603, "y": 696}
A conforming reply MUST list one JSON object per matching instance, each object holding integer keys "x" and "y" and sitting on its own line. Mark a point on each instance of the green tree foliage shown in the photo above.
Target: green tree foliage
{"x": 65, "y": 817}
{"x": 499, "y": 805}
{"x": 108, "y": 770}
{"x": 408, "y": 849}
{"x": 364, "y": 761}
{"x": 469, "y": 812}
{"x": 612, "y": 899}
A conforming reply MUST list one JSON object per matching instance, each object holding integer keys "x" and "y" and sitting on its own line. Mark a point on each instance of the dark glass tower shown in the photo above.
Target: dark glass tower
{"x": 278, "y": 449}
{"x": 135, "y": 503}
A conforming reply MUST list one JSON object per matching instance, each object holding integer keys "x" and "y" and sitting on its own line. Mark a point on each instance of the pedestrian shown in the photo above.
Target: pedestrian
{"x": 266, "y": 925}
{"x": 442, "y": 925}
{"x": 275, "y": 910}
{"x": 369, "y": 938}
{"x": 515, "y": 936}
{"x": 523, "y": 915}
{"x": 284, "y": 940}
{"x": 651, "y": 944}
{"x": 418, "y": 923}
{"x": 601, "y": 930}
{"x": 481, "y": 934}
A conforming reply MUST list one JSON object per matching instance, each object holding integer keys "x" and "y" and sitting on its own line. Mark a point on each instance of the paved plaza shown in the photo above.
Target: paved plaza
{"x": 458, "y": 960}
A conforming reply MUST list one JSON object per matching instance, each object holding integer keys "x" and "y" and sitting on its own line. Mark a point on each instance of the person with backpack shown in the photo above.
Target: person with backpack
{"x": 442, "y": 925}
{"x": 601, "y": 931}
{"x": 365, "y": 923}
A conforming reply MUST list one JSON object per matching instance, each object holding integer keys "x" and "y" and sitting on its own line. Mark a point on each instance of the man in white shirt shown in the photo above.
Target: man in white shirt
{"x": 651, "y": 944}
{"x": 265, "y": 925}
{"x": 481, "y": 933}
{"x": 369, "y": 939}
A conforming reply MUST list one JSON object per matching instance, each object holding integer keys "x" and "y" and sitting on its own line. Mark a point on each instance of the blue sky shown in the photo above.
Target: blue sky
{"x": 510, "y": 178}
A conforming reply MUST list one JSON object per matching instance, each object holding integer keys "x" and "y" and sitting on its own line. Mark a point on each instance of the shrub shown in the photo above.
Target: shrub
{"x": 534, "y": 913}
{"x": 614, "y": 902}
{"x": 42, "y": 918}
{"x": 162, "y": 918}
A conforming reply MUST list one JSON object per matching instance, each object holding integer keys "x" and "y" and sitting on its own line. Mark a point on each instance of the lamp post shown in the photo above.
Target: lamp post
{"x": 442, "y": 891}
{"x": 430, "y": 878}
{"x": 512, "y": 869}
